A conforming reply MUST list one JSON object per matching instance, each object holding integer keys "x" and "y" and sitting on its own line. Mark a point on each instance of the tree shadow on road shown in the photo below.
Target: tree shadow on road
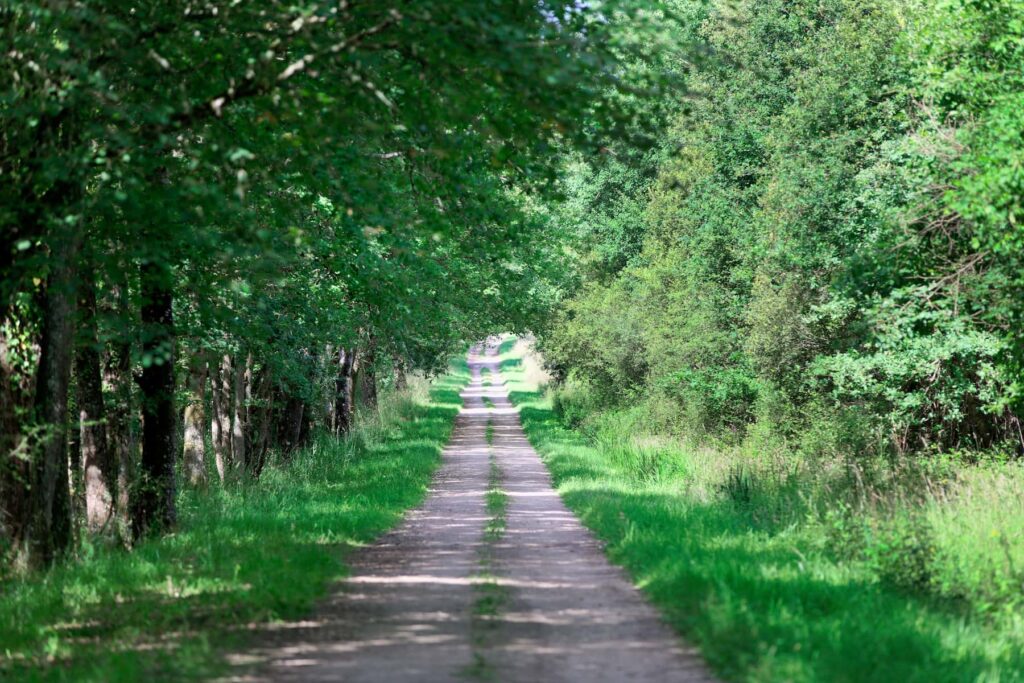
{"x": 250, "y": 552}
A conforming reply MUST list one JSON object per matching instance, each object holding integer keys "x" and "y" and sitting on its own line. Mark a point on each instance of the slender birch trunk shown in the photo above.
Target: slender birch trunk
{"x": 121, "y": 434}
{"x": 220, "y": 427}
{"x": 238, "y": 445}
{"x": 99, "y": 466}
{"x": 194, "y": 454}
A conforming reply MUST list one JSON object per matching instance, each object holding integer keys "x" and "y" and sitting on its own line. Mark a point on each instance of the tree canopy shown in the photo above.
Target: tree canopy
{"x": 275, "y": 185}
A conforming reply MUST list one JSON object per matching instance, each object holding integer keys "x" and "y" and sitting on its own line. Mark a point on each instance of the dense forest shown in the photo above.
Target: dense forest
{"x": 826, "y": 243}
{"x": 784, "y": 235}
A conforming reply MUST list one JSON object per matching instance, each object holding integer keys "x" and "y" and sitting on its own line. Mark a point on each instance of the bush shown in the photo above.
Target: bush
{"x": 572, "y": 403}
{"x": 714, "y": 398}
{"x": 831, "y": 432}
{"x": 934, "y": 389}
{"x": 739, "y": 486}
{"x": 847, "y": 534}
{"x": 902, "y": 552}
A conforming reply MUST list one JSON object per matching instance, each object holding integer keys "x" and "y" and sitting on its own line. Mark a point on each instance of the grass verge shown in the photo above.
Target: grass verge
{"x": 245, "y": 553}
{"x": 762, "y": 594}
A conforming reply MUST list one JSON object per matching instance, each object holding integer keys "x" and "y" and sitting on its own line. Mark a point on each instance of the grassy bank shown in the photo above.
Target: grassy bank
{"x": 247, "y": 553}
{"x": 781, "y": 571}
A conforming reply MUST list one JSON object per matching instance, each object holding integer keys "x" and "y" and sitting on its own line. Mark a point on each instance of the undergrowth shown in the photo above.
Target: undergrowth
{"x": 491, "y": 595}
{"x": 784, "y": 569}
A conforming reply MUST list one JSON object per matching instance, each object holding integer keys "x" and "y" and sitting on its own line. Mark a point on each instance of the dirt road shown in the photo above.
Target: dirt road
{"x": 502, "y": 587}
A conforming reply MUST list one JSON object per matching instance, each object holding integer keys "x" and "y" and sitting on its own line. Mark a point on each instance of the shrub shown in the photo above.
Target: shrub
{"x": 902, "y": 552}
{"x": 714, "y": 398}
{"x": 847, "y": 533}
{"x": 572, "y": 403}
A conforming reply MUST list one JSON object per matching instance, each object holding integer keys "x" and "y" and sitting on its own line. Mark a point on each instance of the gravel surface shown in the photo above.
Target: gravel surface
{"x": 437, "y": 600}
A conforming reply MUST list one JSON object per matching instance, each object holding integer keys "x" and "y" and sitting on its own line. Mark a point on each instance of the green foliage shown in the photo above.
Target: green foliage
{"x": 831, "y": 222}
{"x": 904, "y": 553}
{"x": 722, "y": 395}
{"x": 934, "y": 386}
{"x": 970, "y": 79}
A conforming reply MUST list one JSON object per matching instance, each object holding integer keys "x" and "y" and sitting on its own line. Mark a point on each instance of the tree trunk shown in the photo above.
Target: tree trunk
{"x": 194, "y": 453}
{"x": 121, "y": 434}
{"x": 247, "y": 413}
{"x": 153, "y": 507}
{"x": 14, "y": 403}
{"x": 260, "y": 415}
{"x": 238, "y": 415}
{"x": 343, "y": 392}
{"x": 401, "y": 382}
{"x": 292, "y": 425}
{"x": 220, "y": 425}
{"x": 330, "y": 405}
{"x": 305, "y": 426}
{"x": 48, "y": 531}
{"x": 368, "y": 375}
{"x": 99, "y": 468}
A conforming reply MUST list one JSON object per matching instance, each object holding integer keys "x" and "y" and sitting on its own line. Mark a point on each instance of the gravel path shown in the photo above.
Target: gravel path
{"x": 439, "y": 600}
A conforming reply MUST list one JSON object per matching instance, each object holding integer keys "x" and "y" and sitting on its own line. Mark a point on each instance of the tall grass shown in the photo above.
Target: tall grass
{"x": 246, "y": 553}
{"x": 782, "y": 567}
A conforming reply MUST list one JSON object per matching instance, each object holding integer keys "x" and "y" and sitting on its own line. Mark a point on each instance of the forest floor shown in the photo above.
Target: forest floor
{"x": 245, "y": 554}
{"x": 491, "y": 578}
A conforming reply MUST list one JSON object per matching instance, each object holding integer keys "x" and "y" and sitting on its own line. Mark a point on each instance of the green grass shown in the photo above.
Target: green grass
{"x": 490, "y": 594}
{"x": 756, "y": 588}
{"x": 497, "y": 504}
{"x": 248, "y": 553}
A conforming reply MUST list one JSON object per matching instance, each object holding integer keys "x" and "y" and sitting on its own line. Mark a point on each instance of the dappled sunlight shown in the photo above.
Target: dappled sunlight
{"x": 485, "y": 412}
{"x": 244, "y": 554}
{"x": 550, "y": 601}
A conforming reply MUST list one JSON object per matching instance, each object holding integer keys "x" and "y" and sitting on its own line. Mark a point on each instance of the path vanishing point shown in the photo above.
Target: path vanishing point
{"x": 450, "y": 595}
